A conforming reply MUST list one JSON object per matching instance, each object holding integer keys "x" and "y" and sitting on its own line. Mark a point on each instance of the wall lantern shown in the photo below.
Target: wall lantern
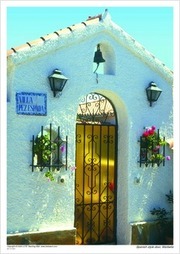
{"x": 57, "y": 82}
{"x": 98, "y": 58}
{"x": 153, "y": 92}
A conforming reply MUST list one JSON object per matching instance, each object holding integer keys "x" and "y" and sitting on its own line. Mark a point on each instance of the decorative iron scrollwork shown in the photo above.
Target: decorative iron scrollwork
{"x": 95, "y": 109}
{"x": 95, "y": 181}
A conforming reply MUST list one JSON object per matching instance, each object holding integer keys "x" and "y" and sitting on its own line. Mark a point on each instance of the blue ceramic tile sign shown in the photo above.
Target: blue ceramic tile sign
{"x": 31, "y": 103}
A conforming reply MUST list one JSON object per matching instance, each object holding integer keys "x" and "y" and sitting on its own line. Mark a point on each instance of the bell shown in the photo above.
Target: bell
{"x": 98, "y": 58}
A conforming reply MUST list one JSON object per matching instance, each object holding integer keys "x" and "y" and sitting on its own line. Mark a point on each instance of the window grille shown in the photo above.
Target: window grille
{"x": 49, "y": 150}
{"x": 152, "y": 150}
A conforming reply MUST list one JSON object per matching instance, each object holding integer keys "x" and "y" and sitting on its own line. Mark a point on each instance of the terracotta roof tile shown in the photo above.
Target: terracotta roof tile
{"x": 63, "y": 31}
{"x": 10, "y": 52}
{"x": 95, "y": 17}
{"x": 49, "y": 37}
{"x": 41, "y": 40}
{"x": 21, "y": 47}
{"x": 90, "y": 21}
{"x": 35, "y": 42}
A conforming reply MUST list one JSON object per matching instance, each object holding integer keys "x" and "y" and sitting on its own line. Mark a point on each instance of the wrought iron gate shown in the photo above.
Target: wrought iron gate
{"x": 95, "y": 194}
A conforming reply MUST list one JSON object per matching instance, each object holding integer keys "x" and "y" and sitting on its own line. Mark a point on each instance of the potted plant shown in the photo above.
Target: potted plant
{"x": 43, "y": 148}
{"x": 164, "y": 220}
{"x": 153, "y": 144}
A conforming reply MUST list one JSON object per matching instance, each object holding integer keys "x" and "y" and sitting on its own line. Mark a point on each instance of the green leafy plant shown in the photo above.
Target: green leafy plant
{"x": 153, "y": 144}
{"x": 49, "y": 175}
{"x": 164, "y": 218}
{"x": 43, "y": 148}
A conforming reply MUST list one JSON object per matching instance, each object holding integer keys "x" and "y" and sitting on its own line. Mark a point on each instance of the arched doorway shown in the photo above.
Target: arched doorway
{"x": 96, "y": 174}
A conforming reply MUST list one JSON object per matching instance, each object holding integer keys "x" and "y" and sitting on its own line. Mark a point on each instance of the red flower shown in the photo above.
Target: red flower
{"x": 111, "y": 186}
{"x": 151, "y": 132}
{"x": 156, "y": 148}
{"x": 146, "y": 134}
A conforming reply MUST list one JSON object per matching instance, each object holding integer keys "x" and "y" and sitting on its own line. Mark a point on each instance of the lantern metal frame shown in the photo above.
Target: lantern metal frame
{"x": 57, "y": 82}
{"x": 153, "y": 92}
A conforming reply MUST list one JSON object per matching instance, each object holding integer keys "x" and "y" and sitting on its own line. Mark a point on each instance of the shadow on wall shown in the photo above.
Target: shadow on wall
{"x": 148, "y": 233}
{"x": 107, "y": 59}
{"x": 123, "y": 228}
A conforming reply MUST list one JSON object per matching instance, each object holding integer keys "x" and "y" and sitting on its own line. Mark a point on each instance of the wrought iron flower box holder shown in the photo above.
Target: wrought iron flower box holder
{"x": 152, "y": 156}
{"x": 48, "y": 151}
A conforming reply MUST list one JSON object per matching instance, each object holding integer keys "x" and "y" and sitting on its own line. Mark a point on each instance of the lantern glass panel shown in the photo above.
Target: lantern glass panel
{"x": 57, "y": 81}
{"x": 155, "y": 95}
{"x": 153, "y": 92}
{"x": 59, "y": 84}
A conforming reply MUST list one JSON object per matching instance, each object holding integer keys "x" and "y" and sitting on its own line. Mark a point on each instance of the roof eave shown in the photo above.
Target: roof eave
{"x": 59, "y": 37}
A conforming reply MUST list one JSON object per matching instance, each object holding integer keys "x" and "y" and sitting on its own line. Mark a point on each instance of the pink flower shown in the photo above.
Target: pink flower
{"x": 168, "y": 158}
{"x": 146, "y": 134}
{"x": 62, "y": 148}
{"x": 153, "y": 128}
{"x": 156, "y": 148}
{"x": 73, "y": 168}
{"x": 151, "y": 132}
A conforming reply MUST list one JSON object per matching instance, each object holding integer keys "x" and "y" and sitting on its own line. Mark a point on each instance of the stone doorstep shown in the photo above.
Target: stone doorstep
{"x": 63, "y": 237}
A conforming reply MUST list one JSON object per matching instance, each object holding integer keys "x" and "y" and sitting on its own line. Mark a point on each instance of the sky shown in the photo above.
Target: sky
{"x": 150, "y": 26}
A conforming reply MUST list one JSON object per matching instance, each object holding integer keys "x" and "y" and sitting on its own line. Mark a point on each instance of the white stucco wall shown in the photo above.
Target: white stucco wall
{"x": 35, "y": 204}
